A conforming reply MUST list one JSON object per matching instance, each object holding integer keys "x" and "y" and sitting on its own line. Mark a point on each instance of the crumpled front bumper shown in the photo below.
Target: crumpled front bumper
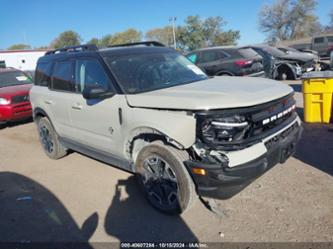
{"x": 223, "y": 182}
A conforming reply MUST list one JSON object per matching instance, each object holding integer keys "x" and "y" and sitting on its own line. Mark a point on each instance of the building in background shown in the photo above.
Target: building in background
{"x": 24, "y": 60}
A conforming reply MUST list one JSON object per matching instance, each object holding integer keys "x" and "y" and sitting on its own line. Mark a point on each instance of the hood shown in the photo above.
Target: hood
{"x": 9, "y": 91}
{"x": 215, "y": 93}
{"x": 304, "y": 57}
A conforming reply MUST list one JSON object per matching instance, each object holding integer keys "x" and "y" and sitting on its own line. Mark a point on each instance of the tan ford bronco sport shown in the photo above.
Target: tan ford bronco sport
{"x": 147, "y": 109}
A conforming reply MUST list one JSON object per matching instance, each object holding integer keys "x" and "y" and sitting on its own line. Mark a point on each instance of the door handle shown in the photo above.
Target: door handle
{"x": 48, "y": 102}
{"x": 77, "y": 107}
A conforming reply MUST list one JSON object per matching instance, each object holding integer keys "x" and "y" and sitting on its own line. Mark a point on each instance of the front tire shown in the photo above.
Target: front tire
{"x": 50, "y": 140}
{"x": 164, "y": 179}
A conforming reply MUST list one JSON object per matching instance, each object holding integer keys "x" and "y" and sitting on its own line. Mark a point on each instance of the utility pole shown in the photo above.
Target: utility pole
{"x": 173, "y": 20}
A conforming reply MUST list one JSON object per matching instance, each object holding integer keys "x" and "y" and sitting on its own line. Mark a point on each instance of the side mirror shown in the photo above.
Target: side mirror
{"x": 96, "y": 92}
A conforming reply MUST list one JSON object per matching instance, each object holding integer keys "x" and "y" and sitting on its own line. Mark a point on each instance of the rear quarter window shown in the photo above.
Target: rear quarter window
{"x": 247, "y": 52}
{"x": 62, "y": 76}
{"x": 330, "y": 38}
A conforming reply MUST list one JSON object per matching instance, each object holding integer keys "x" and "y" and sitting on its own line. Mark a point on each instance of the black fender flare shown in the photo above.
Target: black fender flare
{"x": 39, "y": 112}
{"x": 224, "y": 72}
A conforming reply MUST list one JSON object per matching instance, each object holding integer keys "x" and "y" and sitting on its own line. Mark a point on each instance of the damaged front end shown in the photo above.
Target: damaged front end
{"x": 236, "y": 146}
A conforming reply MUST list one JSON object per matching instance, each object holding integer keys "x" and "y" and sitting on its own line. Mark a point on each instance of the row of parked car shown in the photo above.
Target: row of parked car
{"x": 282, "y": 63}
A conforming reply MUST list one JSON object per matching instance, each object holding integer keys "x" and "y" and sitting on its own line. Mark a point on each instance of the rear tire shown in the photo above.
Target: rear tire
{"x": 162, "y": 175}
{"x": 285, "y": 74}
{"x": 50, "y": 140}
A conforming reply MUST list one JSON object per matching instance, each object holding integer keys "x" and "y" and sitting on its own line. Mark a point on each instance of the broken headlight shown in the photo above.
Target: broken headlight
{"x": 223, "y": 130}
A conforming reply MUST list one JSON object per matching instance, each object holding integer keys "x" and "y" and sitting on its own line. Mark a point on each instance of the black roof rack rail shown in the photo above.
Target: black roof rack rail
{"x": 79, "y": 48}
{"x": 146, "y": 43}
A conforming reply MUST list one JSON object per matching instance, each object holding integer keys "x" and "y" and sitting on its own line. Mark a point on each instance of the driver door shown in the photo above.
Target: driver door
{"x": 95, "y": 122}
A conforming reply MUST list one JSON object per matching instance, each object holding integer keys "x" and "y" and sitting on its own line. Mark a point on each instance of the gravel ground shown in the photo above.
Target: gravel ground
{"x": 80, "y": 199}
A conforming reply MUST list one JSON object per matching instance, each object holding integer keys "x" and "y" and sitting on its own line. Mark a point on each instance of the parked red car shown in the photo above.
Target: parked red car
{"x": 14, "y": 95}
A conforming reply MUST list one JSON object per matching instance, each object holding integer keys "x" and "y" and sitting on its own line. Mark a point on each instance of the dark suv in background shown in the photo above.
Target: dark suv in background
{"x": 231, "y": 61}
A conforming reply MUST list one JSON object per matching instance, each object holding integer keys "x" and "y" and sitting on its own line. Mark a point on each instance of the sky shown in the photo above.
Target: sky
{"x": 38, "y": 22}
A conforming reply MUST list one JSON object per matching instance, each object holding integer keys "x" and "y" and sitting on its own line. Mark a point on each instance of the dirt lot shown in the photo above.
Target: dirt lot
{"x": 80, "y": 199}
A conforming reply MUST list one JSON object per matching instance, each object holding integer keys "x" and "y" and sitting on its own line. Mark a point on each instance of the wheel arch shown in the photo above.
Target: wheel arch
{"x": 143, "y": 136}
{"x": 224, "y": 72}
{"x": 40, "y": 113}
{"x": 285, "y": 67}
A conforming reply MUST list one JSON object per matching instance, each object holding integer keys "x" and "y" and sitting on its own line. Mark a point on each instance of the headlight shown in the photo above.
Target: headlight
{"x": 224, "y": 129}
{"x": 4, "y": 101}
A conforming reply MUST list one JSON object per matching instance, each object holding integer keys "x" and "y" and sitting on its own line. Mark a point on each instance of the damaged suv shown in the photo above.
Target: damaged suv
{"x": 148, "y": 110}
{"x": 283, "y": 65}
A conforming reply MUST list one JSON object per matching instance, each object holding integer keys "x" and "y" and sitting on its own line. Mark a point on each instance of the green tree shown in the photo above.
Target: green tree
{"x": 67, "y": 38}
{"x": 19, "y": 46}
{"x": 289, "y": 19}
{"x": 105, "y": 41}
{"x": 163, "y": 35}
{"x": 42, "y": 47}
{"x": 190, "y": 36}
{"x": 197, "y": 33}
{"x": 127, "y": 36}
{"x": 94, "y": 41}
{"x": 214, "y": 36}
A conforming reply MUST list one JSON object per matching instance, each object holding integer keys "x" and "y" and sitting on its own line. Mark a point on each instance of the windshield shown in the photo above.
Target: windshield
{"x": 147, "y": 72}
{"x": 13, "y": 78}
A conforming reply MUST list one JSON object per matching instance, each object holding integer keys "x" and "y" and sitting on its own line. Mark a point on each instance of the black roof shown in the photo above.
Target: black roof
{"x": 134, "y": 50}
{"x": 121, "y": 49}
{"x": 217, "y": 48}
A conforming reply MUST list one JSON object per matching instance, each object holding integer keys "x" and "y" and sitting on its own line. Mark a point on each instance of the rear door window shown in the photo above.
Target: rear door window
{"x": 209, "y": 56}
{"x": 62, "y": 77}
{"x": 43, "y": 74}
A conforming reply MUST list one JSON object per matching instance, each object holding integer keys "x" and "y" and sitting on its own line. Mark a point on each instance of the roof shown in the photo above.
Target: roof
{"x": 124, "y": 50}
{"x": 217, "y": 47}
{"x": 133, "y": 50}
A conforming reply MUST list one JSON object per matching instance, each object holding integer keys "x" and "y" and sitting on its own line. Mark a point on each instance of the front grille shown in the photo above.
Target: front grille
{"x": 20, "y": 98}
{"x": 272, "y": 116}
{"x": 263, "y": 120}
{"x": 276, "y": 139}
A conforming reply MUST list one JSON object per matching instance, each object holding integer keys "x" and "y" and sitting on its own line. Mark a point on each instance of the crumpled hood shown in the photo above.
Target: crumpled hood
{"x": 215, "y": 93}
{"x": 305, "y": 57}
